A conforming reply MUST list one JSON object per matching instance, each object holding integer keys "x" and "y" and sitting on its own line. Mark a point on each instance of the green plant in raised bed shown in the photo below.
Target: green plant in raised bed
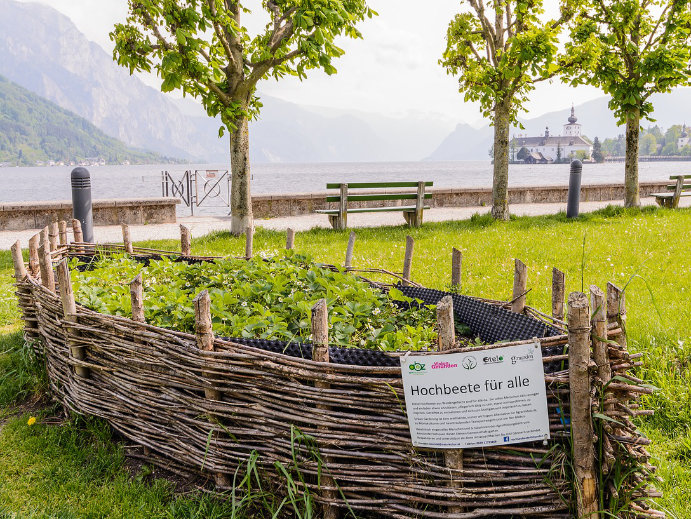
{"x": 268, "y": 299}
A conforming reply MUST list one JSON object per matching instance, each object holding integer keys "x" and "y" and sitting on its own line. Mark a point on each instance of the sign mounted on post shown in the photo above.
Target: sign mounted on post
{"x": 476, "y": 399}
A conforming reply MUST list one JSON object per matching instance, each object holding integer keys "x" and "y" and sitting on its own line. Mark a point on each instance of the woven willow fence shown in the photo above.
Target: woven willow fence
{"x": 202, "y": 405}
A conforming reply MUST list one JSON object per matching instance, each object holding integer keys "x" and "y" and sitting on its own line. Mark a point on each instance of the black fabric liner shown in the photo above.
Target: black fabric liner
{"x": 490, "y": 323}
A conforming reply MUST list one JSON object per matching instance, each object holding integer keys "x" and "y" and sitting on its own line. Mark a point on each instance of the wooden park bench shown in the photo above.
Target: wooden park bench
{"x": 411, "y": 213}
{"x": 671, "y": 199}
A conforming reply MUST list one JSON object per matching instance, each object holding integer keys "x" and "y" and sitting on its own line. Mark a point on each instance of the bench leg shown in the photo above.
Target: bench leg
{"x": 412, "y": 218}
{"x": 337, "y": 222}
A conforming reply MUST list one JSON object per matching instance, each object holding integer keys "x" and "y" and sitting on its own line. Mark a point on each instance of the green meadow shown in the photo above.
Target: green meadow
{"x": 74, "y": 467}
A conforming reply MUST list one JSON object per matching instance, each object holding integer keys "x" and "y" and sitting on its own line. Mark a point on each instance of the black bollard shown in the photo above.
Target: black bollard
{"x": 574, "y": 189}
{"x": 81, "y": 202}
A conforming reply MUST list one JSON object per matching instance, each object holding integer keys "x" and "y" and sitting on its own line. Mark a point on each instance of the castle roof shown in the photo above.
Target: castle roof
{"x": 573, "y": 118}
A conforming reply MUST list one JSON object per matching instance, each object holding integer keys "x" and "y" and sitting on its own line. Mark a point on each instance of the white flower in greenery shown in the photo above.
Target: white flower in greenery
{"x": 376, "y": 311}
{"x": 244, "y": 303}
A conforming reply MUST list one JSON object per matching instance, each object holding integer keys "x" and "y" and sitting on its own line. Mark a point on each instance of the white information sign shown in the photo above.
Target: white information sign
{"x": 476, "y": 399}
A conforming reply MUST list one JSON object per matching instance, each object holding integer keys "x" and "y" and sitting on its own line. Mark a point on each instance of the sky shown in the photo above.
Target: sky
{"x": 392, "y": 71}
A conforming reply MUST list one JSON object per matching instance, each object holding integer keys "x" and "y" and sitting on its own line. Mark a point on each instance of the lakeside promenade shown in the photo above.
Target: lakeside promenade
{"x": 202, "y": 225}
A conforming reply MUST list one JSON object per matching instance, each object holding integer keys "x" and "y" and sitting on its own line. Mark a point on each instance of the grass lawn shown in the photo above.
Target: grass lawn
{"x": 73, "y": 469}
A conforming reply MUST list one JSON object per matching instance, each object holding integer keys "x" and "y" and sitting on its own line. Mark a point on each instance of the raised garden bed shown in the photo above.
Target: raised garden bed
{"x": 201, "y": 403}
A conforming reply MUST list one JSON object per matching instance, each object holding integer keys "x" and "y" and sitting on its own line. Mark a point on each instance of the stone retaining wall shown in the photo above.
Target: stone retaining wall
{"x": 19, "y": 216}
{"x": 268, "y": 206}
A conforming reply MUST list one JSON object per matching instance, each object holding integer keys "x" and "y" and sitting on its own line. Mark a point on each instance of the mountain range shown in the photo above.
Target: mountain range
{"x": 33, "y": 130}
{"x": 44, "y": 52}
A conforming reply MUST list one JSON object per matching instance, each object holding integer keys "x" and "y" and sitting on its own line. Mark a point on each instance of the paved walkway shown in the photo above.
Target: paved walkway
{"x": 201, "y": 225}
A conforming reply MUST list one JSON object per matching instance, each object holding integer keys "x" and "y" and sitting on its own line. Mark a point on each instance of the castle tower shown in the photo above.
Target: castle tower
{"x": 572, "y": 128}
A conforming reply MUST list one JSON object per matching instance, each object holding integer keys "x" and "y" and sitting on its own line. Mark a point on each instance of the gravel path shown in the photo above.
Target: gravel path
{"x": 201, "y": 225}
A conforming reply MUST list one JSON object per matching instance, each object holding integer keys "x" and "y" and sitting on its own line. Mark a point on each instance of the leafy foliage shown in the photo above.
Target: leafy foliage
{"x": 500, "y": 50}
{"x": 636, "y": 48}
{"x": 269, "y": 299}
{"x": 202, "y": 48}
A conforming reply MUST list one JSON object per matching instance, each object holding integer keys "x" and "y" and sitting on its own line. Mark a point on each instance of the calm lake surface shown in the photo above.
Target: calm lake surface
{"x": 53, "y": 183}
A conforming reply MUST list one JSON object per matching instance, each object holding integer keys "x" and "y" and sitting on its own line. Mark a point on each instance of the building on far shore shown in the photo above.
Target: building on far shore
{"x": 684, "y": 139}
{"x": 541, "y": 150}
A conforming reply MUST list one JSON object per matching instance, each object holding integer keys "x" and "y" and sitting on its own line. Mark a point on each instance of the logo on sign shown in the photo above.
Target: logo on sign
{"x": 469, "y": 362}
{"x": 443, "y": 365}
{"x": 527, "y": 357}
{"x": 506, "y": 439}
{"x": 416, "y": 367}
{"x": 493, "y": 359}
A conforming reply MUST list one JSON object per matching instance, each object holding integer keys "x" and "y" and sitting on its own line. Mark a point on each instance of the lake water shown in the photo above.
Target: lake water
{"x": 53, "y": 183}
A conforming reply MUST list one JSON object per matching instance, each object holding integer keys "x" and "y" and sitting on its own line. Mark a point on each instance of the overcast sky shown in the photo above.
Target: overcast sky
{"x": 392, "y": 71}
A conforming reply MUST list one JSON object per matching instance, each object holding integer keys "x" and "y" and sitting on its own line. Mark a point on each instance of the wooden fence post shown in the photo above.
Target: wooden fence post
{"x": 126, "y": 240}
{"x": 205, "y": 336}
{"x": 205, "y": 342}
{"x": 343, "y": 208}
{"x": 78, "y": 236}
{"x": 69, "y": 309}
{"x": 53, "y": 235}
{"x": 599, "y": 332}
{"x": 558, "y": 293}
{"x": 18, "y": 260}
{"x": 290, "y": 239}
{"x": 520, "y": 286}
{"x": 249, "y": 242}
{"x": 580, "y": 404}
{"x": 349, "y": 251}
{"x": 45, "y": 237}
{"x": 408, "y": 260}
{"x": 185, "y": 241}
{"x": 46, "y": 266}
{"x": 62, "y": 231}
{"x": 616, "y": 310}
{"x": 453, "y": 458}
{"x": 137, "y": 298}
{"x": 34, "y": 261}
{"x": 456, "y": 266}
{"x": 320, "y": 353}
{"x": 601, "y": 355}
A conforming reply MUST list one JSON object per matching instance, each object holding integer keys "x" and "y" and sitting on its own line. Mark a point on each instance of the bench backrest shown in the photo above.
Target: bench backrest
{"x": 684, "y": 187}
{"x": 378, "y": 196}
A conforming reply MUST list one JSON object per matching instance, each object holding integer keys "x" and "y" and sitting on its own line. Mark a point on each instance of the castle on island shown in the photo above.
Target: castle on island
{"x": 547, "y": 148}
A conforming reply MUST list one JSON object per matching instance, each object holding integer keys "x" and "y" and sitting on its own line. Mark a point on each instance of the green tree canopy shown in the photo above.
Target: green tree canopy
{"x": 499, "y": 50}
{"x": 202, "y": 48}
{"x": 597, "y": 151}
{"x": 635, "y": 48}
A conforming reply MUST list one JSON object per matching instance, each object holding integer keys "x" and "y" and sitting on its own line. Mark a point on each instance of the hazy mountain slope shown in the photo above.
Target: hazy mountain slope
{"x": 33, "y": 129}
{"x": 464, "y": 143}
{"x": 44, "y": 52}
{"x": 467, "y": 143}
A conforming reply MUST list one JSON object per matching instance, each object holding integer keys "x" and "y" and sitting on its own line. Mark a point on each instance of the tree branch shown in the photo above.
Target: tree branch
{"x": 487, "y": 30}
{"x": 220, "y": 33}
{"x": 652, "y": 41}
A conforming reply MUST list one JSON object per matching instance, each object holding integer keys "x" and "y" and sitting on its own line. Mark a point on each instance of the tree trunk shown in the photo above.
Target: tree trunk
{"x": 632, "y": 194}
{"x": 500, "y": 185}
{"x": 240, "y": 195}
